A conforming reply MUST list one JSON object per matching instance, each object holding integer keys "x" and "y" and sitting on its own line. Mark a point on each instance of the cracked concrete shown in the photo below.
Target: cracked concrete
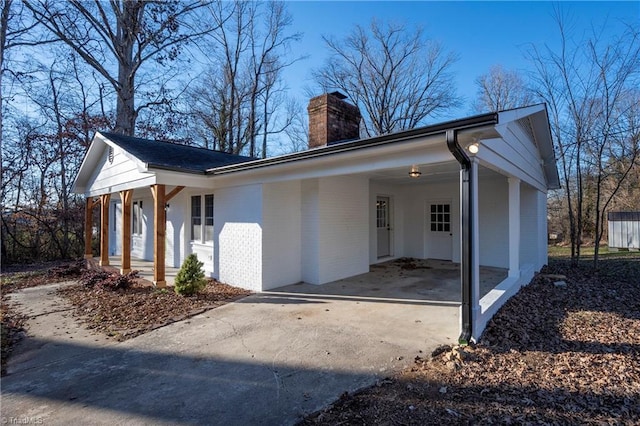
{"x": 266, "y": 359}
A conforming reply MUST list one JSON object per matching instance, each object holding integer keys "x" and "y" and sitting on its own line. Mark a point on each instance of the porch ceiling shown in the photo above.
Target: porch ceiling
{"x": 431, "y": 173}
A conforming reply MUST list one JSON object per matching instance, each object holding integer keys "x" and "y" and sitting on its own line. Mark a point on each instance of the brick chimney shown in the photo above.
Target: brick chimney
{"x": 331, "y": 120}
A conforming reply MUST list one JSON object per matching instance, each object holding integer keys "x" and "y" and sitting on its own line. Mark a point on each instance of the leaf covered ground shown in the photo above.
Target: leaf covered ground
{"x": 552, "y": 355}
{"x": 126, "y": 313}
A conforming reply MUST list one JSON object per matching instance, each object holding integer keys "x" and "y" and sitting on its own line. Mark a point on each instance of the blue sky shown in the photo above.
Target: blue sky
{"x": 481, "y": 33}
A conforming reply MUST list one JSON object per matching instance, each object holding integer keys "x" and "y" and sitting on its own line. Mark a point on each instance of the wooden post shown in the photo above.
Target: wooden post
{"x": 126, "y": 196}
{"x": 159, "y": 227}
{"x": 88, "y": 228}
{"x": 104, "y": 229}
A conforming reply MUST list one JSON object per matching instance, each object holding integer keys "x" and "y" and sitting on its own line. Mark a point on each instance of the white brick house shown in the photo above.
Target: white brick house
{"x": 477, "y": 197}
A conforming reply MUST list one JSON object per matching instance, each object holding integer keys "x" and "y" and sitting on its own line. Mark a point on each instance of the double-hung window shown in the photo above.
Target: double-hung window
{"x": 198, "y": 211}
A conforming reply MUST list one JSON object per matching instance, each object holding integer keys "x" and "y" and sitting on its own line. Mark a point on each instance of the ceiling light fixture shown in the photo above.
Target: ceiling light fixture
{"x": 415, "y": 172}
{"x": 473, "y": 147}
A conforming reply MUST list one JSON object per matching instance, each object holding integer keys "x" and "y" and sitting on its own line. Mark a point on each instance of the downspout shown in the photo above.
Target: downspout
{"x": 465, "y": 233}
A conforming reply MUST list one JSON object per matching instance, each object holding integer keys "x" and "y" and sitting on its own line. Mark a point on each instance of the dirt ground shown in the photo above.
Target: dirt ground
{"x": 552, "y": 355}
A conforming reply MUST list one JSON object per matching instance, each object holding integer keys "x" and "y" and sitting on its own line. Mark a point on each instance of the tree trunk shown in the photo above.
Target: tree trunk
{"x": 125, "y": 108}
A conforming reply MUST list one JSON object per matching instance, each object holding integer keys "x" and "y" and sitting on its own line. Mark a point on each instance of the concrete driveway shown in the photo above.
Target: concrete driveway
{"x": 267, "y": 359}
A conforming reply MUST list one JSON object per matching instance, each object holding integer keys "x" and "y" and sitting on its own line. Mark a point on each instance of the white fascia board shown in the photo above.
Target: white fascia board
{"x": 191, "y": 180}
{"x": 360, "y": 161}
{"x": 138, "y": 183}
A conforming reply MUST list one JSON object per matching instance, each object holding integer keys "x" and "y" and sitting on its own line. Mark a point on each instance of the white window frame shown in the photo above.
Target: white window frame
{"x": 206, "y": 232}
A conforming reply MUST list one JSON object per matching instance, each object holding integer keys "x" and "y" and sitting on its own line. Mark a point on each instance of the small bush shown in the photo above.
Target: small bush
{"x": 190, "y": 278}
{"x": 108, "y": 280}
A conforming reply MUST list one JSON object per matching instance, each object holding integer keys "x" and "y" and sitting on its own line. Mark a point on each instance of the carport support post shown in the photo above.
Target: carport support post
{"x": 125, "y": 196}
{"x": 469, "y": 261}
{"x": 514, "y": 227}
{"x": 159, "y": 227}
{"x": 474, "y": 297}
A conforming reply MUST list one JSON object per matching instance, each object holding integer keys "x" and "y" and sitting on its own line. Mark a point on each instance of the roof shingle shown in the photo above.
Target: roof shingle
{"x": 173, "y": 156}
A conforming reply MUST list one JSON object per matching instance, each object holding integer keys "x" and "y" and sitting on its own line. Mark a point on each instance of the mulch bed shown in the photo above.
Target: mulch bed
{"x": 126, "y": 313}
{"x": 552, "y": 355}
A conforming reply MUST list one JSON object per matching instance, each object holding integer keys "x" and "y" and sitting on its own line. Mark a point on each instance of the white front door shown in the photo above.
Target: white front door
{"x": 383, "y": 224}
{"x": 439, "y": 244}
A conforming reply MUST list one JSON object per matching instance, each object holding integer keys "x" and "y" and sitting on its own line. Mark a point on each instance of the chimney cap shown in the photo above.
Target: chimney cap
{"x": 338, "y": 95}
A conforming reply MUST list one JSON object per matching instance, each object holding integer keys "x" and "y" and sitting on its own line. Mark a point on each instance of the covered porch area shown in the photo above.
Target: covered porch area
{"x": 404, "y": 280}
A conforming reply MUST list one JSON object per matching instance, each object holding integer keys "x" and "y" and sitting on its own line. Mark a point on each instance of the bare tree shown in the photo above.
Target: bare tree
{"x": 395, "y": 75}
{"x": 592, "y": 110}
{"x": 237, "y": 99}
{"x": 17, "y": 30}
{"x": 127, "y": 33}
{"x": 501, "y": 89}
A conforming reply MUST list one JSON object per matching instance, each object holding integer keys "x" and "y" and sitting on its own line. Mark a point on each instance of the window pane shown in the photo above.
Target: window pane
{"x": 439, "y": 227}
{"x": 208, "y": 206}
{"x": 433, "y": 226}
{"x": 196, "y": 217}
{"x": 208, "y": 232}
{"x": 446, "y": 208}
{"x": 135, "y": 217}
{"x": 447, "y": 227}
{"x": 208, "y": 217}
{"x": 433, "y": 208}
{"x": 140, "y": 217}
{"x": 440, "y": 208}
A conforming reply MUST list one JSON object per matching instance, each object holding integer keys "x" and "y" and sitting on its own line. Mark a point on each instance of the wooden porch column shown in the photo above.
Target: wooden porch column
{"x": 88, "y": 227}
{"x": 159, "y": 227}
{"x": 104, "y": 229}
{"x": 126, "y": 196}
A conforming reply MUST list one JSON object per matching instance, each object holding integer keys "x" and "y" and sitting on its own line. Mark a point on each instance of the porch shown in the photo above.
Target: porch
{"x": 411, "y": 281}
{"x": 414, "y": 281}
{"x": 144, "y": 268}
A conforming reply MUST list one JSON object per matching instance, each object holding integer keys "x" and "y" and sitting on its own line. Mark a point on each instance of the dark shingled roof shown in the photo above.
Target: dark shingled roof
{"x": 173, "y": 156}
{"x": 624, "y": 216}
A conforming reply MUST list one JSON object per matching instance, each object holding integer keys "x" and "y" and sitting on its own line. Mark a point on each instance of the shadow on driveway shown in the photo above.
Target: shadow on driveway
{"x": 116, "y": 384}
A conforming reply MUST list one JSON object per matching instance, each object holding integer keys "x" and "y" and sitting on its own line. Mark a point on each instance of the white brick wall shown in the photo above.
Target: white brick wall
{"x": 543, "y": 253}
{"x": 344, "y": 229}
{"x": 335, "y": 228}
{"x": 310, "y": 225}
{"x": 238, "y": 231}
{"x": 528, "y": 225}
{"x": 281, "y": 234}
{"x": 493, "y": 204}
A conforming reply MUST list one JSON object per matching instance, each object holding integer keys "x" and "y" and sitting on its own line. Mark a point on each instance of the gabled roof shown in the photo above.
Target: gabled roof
{"x": 162, "y": 155}
{"x": 171, "y": 156}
